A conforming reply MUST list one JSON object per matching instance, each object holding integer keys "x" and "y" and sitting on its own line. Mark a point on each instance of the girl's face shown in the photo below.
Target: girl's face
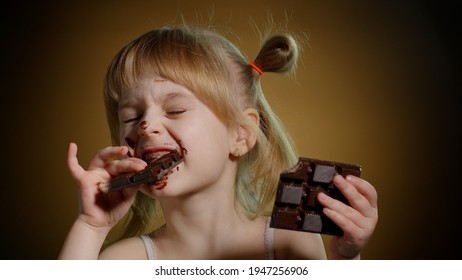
{"x": 159, "y": 116}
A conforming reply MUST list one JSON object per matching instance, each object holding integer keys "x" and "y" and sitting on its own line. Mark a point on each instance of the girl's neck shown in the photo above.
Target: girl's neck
{"x": 207, "y": 223}
{"x": 206, "y": 211}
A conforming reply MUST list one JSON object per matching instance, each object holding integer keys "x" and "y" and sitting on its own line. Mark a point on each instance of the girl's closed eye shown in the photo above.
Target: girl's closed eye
{"x": 132, "y": 119}
{"x": 174, "y": 112}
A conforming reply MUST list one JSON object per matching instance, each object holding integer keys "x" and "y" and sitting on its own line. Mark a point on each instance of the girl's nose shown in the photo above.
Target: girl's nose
{"x": 147, "y": 128}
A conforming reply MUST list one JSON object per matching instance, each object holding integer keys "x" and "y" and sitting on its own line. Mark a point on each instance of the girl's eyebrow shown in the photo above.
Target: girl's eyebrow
{"x": 174, "y": 95}
{"x": 166, "y": 97}
{"x": 127, "y": 103}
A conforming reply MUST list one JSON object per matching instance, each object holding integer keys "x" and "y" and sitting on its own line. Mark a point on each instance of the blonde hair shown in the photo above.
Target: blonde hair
{"x": 203, "y": 61}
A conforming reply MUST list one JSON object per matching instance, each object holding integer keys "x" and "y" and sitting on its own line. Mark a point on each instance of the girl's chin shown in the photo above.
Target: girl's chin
{"x": 152, "y": 188}
{"x": 156, "y": 190}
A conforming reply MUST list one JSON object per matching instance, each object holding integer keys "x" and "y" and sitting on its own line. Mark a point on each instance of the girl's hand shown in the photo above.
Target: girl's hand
{"x": 100, "y": 209}
{"x": 357, "y": 221}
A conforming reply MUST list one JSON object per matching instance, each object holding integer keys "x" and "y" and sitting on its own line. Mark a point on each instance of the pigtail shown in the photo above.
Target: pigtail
{"x": 278, "y": 54}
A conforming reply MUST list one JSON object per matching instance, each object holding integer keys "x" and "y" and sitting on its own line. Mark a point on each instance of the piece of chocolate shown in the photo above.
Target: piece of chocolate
{"x": 152, "y": 173}
{"x": 296, "y": 206}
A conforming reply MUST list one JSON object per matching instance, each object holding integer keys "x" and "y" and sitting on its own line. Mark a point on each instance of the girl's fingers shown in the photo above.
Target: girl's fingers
{"x": 358, "y": 193}
{"x": 357, "y": 220}
{"x": 102, "y": 165}
{"x": 73, "y": 163}
{"x": 346, "y": 212}
{"x": 365, "y": 188}
{"x": 340, "y": 219}
{"x": 128, "y": 165}
{"x": 104, "y": 155}
{"x": 362, "y": 198}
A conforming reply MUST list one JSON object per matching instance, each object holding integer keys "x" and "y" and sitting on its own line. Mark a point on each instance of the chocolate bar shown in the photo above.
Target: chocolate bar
{"x": 296, "y": 206}
{"x": 152, "y": 173}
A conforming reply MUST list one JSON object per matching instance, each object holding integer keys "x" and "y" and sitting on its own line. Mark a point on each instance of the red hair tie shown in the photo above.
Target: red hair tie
{"x": 256, "y": 68}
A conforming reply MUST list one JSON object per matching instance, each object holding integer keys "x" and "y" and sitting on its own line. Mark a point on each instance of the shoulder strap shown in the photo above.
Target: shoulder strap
{"x": 269, "y": 240}
{"x": 149, "y": 245}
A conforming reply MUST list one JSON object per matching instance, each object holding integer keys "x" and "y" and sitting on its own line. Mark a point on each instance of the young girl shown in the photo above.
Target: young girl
{"x": 191, "y": 90}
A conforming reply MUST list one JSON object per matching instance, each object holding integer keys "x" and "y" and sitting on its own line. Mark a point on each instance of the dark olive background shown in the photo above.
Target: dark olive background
{"x": 379, "y": 85}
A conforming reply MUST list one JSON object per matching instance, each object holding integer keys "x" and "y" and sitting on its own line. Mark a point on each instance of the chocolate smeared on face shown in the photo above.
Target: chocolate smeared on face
{"x": 184, "y": 151}
{"x": 144, "y": 125}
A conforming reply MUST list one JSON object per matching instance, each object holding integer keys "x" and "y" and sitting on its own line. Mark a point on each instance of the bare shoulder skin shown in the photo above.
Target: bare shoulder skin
{"x": 125, "y": 249}
{"x": 298, "y": 245}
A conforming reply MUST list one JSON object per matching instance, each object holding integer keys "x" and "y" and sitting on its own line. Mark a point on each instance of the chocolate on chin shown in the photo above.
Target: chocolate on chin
{"x": 152, "y": 173}
{"x": 296, "y": 206}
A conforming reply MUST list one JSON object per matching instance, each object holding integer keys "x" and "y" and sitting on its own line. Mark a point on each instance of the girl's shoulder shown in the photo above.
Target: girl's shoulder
{"x": 289, "y": 244}
{"x": 126, "y": 249}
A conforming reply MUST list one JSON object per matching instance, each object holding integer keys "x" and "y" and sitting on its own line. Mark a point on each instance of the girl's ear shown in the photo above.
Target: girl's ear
{"x": 246, "y": 136}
